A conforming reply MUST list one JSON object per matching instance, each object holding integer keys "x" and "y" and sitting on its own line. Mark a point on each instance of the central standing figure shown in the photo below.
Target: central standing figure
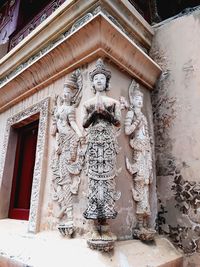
{"x": 101, "y": 113}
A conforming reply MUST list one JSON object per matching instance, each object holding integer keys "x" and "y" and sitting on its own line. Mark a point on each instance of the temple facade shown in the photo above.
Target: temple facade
{"x": 99, "y": 133}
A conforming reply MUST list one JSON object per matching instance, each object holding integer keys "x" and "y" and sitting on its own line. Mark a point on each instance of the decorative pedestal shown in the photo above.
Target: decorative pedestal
{"x": 66, "y": 229}
{"x": 102, "y": 239}
{"x": 144, "y": 234}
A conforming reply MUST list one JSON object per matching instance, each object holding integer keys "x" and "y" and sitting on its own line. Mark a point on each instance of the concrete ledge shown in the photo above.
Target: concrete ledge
{"x": 50, "y": 249}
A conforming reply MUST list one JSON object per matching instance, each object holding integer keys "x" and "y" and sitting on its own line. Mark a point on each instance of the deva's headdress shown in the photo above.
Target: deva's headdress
{"x": 71, "y": 82}
{"x": 134, "y": 91}
{"x": 75, "y": 84}
{"x": 100, "y": 68}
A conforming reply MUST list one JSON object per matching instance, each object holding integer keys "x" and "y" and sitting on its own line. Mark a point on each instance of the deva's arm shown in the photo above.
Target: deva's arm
{"x": 88, "y": 118}
{"x": 73, "y": 124}
{"x": 113, "y": 117}
{"x": 130, "y": 125}
{"x": 117, "y": 116}
{"x": 54, "y": 128}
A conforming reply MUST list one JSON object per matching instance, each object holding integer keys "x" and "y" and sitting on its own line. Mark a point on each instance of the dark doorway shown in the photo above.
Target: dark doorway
{"x": 23, "y": 171}
{"x": 167, "y": 9}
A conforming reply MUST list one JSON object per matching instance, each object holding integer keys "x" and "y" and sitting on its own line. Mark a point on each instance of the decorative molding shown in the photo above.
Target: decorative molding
{"x": 78, "y": 24}
{"x": 64, "y": 17}
{"x": 97, "y": 31}
{"x": 39, "y": 110}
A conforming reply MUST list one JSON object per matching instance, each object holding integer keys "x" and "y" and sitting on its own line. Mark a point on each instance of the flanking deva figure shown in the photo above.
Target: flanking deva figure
{"x": 101, "y": 114}
{"x": 136, "y": 127}
{"x": 68, "y": 158}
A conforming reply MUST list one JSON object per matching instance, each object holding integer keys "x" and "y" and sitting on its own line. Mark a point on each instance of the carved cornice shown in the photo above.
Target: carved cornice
{"x": 95, "y": 34}
{"x": 64, "y": 17}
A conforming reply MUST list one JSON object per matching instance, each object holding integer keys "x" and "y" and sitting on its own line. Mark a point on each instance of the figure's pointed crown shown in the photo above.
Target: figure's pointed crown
{"x": 137, "y": 91}
{"x": 71, "y": 82}
{"x": 100, "y": 68}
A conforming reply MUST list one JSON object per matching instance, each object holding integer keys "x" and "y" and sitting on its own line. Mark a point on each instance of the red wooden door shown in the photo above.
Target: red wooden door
{"x": 23, "y": 172}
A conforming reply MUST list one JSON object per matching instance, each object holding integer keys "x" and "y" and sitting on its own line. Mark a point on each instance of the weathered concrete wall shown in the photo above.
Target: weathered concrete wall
{"x": 176, "y": 111}
{"x": 123, "y": 225}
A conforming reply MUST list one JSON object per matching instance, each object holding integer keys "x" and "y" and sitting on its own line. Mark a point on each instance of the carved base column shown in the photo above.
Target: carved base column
{"x": 102, "y": 238}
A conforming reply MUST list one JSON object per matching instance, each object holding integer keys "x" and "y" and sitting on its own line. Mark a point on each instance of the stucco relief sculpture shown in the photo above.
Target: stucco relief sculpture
{"x": 101, "y": 114}
{"x": 140, "y": 168}
{"x": 68, "y": 158}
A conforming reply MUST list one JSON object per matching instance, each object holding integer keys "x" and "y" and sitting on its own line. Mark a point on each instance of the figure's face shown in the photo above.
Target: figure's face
{"x": 67, "y": 93}
{"x": 138, "y": 101}
{"x": 99, "y": 82}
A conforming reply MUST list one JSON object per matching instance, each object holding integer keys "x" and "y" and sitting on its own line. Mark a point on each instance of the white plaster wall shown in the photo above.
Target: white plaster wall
{"x": 176, "y": 106}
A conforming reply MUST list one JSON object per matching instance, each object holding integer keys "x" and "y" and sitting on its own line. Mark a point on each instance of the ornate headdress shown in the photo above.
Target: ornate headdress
{"x": 100, "y": 68}
{"x": 75, "y": 84}
{"x": 134, "y": 90}
{"x": 137, "y": 92}
{"x": 71, "y": 82}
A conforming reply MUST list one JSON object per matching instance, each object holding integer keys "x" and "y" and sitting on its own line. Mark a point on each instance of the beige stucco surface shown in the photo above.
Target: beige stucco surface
{"x": 177, "y": 129}
{"x": 50, "y": 249}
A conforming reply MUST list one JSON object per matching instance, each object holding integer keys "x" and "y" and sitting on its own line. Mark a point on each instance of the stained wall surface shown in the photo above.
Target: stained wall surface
{"x": 176, "y": 111}
{"x": 123, "y": 224}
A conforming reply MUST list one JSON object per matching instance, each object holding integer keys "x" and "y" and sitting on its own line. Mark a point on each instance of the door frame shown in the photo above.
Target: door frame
{"x": 16, "y": 212}
{"x": 39, "y": 111}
